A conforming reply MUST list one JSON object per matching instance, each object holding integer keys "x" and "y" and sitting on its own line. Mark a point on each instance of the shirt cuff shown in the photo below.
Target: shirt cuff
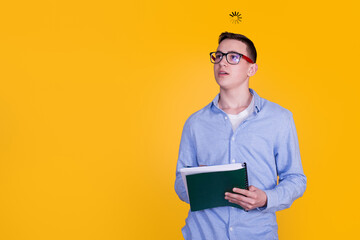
{"x": 272, "y": 201}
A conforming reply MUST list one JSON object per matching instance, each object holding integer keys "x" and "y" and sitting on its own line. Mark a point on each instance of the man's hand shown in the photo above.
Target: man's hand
{"x": 247, "y": 199}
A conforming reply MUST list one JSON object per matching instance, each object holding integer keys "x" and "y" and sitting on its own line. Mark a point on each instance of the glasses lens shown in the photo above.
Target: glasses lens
{"x": 233, "y": 58}
{"x": 216, "y": 57}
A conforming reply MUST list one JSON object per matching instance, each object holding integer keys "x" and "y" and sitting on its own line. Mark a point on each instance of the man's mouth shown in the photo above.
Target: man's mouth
{"x": 223, "y": 73}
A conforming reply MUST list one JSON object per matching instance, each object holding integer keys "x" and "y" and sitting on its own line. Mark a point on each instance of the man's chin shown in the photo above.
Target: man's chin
{"x": 225, "y": 86}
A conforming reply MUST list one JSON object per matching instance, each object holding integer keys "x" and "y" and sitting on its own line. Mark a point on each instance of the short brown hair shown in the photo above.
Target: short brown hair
{"x": 250, "y": 47}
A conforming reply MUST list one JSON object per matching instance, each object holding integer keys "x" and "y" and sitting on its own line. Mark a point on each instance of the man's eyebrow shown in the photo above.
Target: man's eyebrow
{"x": 231, "y": 51}
{"x": 228, "y": 51}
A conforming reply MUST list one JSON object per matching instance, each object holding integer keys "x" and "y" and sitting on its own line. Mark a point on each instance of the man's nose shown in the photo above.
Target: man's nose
{"x": 223, "y": 61}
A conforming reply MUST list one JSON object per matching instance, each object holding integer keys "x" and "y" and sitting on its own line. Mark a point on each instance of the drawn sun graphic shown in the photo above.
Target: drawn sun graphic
{"x": 235, "y": 17}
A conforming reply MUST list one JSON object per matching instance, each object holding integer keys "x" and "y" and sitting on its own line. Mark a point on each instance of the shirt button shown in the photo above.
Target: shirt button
{"x": 231, "y": 228}
{"x": 233, "y": 138}
{"x": 233, "y": 160}
{"x": 225, "y": 117}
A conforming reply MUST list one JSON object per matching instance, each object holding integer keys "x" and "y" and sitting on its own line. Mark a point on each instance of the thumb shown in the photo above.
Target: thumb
{"x": 252, "y": 188}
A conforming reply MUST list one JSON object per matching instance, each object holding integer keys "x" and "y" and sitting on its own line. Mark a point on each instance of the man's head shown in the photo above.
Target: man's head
{"x": 250, "y": 47}
{"x": 234, "y": 61}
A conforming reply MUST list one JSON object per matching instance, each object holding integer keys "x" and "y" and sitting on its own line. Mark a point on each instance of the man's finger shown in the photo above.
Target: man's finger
{"x": 237, "y": 197}
{"x": 252, "y": 188}
{"x": 234, "y": 195}
{"x": 244, "y": 205}
{"x": 244, "y": 192}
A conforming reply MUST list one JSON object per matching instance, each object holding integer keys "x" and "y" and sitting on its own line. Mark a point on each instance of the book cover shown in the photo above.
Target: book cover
{"x": 206, "y": 189}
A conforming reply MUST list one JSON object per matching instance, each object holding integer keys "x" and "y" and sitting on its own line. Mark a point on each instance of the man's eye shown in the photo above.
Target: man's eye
{"x": 234, "y": 57}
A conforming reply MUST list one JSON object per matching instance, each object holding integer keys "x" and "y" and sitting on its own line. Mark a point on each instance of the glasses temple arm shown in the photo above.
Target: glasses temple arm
{"x": 247, "y": 59}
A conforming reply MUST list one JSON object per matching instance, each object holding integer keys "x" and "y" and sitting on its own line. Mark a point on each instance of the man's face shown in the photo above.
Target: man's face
{"x": 233, "y": 76}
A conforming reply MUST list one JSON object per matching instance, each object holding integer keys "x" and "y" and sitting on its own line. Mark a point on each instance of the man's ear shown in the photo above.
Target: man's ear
{"x": 252, "y": 70}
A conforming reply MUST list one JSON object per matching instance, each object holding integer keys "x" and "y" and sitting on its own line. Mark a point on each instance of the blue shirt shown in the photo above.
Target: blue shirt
{"x": 267, "y": 141}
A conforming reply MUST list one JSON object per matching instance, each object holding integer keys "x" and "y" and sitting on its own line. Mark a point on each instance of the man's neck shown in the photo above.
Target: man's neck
{"x": 234, "y": 101}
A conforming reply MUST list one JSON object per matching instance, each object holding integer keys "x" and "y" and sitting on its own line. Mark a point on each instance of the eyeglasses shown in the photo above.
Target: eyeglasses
{"x": 231, "y": 57}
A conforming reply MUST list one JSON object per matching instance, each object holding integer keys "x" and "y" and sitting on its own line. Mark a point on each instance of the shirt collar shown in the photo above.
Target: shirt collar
{"x": 257, "y": 107}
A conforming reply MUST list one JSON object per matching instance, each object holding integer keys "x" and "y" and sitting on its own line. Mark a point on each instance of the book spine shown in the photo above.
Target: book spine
{"x": 246, "y": 176}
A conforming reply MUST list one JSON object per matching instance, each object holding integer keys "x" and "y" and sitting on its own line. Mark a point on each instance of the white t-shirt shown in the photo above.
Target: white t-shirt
{"x": 237, "y": 119}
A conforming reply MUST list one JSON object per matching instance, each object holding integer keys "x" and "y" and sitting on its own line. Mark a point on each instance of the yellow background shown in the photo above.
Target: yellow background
{"x": 94, "y": 95}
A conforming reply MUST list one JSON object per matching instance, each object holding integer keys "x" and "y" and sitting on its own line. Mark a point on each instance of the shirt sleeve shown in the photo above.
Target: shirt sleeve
{"x": 292, "y": 181}
{"x": 187, "y": 158}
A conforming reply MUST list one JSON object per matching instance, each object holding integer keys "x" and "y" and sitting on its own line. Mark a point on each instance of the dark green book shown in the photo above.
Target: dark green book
{"x": 206, "y": 189}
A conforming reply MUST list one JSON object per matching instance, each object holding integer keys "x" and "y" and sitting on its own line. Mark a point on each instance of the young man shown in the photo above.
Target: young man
{"x": 239, "y": 126}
